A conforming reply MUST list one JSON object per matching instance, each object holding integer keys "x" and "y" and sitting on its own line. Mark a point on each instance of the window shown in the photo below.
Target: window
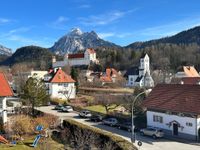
{"x": 189, "y": 124}
{"x": 65, "y": 85}
{"x": 131, "y": 79}
{"x": 157, "y": 119}
{"x": 59, "y": 84}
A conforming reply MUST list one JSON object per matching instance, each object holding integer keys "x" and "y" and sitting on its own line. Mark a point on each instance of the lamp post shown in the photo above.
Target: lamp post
{"x": 132, "y": 118}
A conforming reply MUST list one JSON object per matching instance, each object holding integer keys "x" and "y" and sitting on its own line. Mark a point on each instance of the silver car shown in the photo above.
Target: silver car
{"x": 110, "y": 121}
{"x": 67, "y": 109}
{"x": 153, "y": 132}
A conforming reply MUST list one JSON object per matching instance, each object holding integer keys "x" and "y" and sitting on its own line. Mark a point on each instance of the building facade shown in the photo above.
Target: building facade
{"x": 60, "y": 85}
{"x": 79, "y": 59}
{"x": 140, "y": 76}
{"x": 175, "y": 109}
{"x": 5, "y": 91}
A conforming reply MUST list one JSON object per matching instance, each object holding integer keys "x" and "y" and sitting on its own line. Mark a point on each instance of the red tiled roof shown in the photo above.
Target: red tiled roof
{"x": 91, "y": 51}
{"x": 61, "y": 77}
{"x": 5, "y": 89}
{"x": 174, "y": 97}
{"x": 72, "y": 56}
{"x": 111, "y": 71}
{"x": 190, "y": 80}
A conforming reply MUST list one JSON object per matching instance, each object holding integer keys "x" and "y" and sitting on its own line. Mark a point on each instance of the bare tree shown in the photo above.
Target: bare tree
{"x": 109, "y": 101}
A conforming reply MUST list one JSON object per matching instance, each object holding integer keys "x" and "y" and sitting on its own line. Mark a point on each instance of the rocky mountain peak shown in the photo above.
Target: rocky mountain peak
{"x": 5, "y": 51}
{"x": 77, "y": 40}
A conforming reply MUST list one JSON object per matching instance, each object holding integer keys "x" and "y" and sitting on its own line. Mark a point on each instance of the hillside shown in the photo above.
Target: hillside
{"x": 77, "y": 40}
{"x": 184, "y": 37}
{"x": 35, "y": 55}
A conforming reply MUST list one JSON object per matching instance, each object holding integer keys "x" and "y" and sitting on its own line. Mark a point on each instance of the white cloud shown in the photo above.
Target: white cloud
{"x": 59, "y": 23}
{"x": 105, "y": 35}
{"x": 170, "y": 28}
{"x": 84, "y": 6}
{"x": 4, "y": 20}
{"x": 104, "y": 19}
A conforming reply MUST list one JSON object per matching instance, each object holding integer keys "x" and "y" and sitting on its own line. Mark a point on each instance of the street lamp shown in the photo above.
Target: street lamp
{"x": 132, "y": 118}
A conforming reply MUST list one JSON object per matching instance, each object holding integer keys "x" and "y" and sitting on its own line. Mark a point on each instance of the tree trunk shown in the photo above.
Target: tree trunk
{"x": 33, "y": 110}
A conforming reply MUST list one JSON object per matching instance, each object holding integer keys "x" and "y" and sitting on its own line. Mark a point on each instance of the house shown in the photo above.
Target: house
{"x": 175, "y": 108}
{"x": 60, "y": 85}
{"x": 140, "y": 76}
{"x": 111, "y": 75}
{"x": 25, "y": 76}
{"x": 190, "y": 80}
{"x": 5, "y": 91}
{"x": 187, "y": 71}
{"x": 79, "y": 59}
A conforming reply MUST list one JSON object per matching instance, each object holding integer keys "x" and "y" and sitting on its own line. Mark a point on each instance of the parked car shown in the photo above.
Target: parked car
{"x": 96, "y": 118}
{"x": 110, "y": 121}
{"x": 85, "y": 114}
{"x": 58, "y": 107}
{"x": 67, "y": 109}
{"x": 125, "y": 126}
{"x": 151, "y": 131}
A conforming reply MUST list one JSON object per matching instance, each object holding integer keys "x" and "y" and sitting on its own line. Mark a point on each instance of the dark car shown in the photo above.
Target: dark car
{"x": 125, "y": 126}
{"x": 59, "y": 107}
{"x": 96, "y": 118}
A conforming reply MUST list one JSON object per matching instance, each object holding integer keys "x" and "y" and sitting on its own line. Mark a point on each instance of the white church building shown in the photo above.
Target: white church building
{"x": 140, "y": 76}
{"x": 78, "y": 59}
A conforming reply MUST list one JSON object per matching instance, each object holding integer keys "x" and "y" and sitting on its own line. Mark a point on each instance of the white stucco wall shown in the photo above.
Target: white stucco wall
{"x": 3, "y": 108}
{"x": 54, "y": 89}
{"x": 133, "y": 77}
{"x": 168, "y": 118}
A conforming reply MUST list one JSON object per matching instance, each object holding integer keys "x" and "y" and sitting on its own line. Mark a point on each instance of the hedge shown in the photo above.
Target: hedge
{"x": 97, "y": 136}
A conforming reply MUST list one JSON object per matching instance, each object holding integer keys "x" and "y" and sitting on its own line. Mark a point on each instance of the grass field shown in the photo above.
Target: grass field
{"x": 47, "y": 144}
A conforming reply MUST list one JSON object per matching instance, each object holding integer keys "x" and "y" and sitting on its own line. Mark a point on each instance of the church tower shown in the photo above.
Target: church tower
{"x": 144, "y": 65}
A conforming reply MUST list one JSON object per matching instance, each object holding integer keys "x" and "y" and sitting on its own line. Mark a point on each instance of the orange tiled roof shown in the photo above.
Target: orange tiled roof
{"x": 91, "y": 51}
{"x": 5, "y": 89}
{"x": 61, "y": 77}
{"x": 105, "y": 79}
{"x": 190, "y": 71}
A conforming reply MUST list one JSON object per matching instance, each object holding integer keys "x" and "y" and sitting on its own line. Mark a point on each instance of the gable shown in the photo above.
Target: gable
{"x": 5, "y": 89}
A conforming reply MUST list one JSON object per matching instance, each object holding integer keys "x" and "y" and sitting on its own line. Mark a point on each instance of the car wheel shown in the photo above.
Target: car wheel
{"x": 154, "y": 137}
{"x": 142, "y": 133}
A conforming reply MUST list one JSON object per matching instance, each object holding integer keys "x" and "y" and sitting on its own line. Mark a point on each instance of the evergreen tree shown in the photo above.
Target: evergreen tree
{"x": 74, "y": 75}
{"x": 34, "y": 93}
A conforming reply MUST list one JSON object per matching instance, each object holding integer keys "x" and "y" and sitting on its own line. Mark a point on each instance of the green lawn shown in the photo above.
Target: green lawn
{"x": 47, "y": 144}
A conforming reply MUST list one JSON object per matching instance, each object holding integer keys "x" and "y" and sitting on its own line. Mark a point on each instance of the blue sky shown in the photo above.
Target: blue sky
{"x": 42, "y": 22}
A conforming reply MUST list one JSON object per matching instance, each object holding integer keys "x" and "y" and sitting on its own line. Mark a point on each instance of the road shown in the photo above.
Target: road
{"x": 148, "y": 142}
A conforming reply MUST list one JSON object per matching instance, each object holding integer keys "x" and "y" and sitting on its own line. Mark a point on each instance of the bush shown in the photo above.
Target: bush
{"x": 82, "y": 136}
{"x": 56, "y": 101}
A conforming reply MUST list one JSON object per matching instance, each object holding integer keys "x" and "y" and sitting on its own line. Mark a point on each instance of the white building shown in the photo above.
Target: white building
{"x": 140, "y": 76}
{"x": 175, "y": 108}
{"x": 60, "y": 85}
{"x": 5, "y": 91}
{"x": 78, "y": 59}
